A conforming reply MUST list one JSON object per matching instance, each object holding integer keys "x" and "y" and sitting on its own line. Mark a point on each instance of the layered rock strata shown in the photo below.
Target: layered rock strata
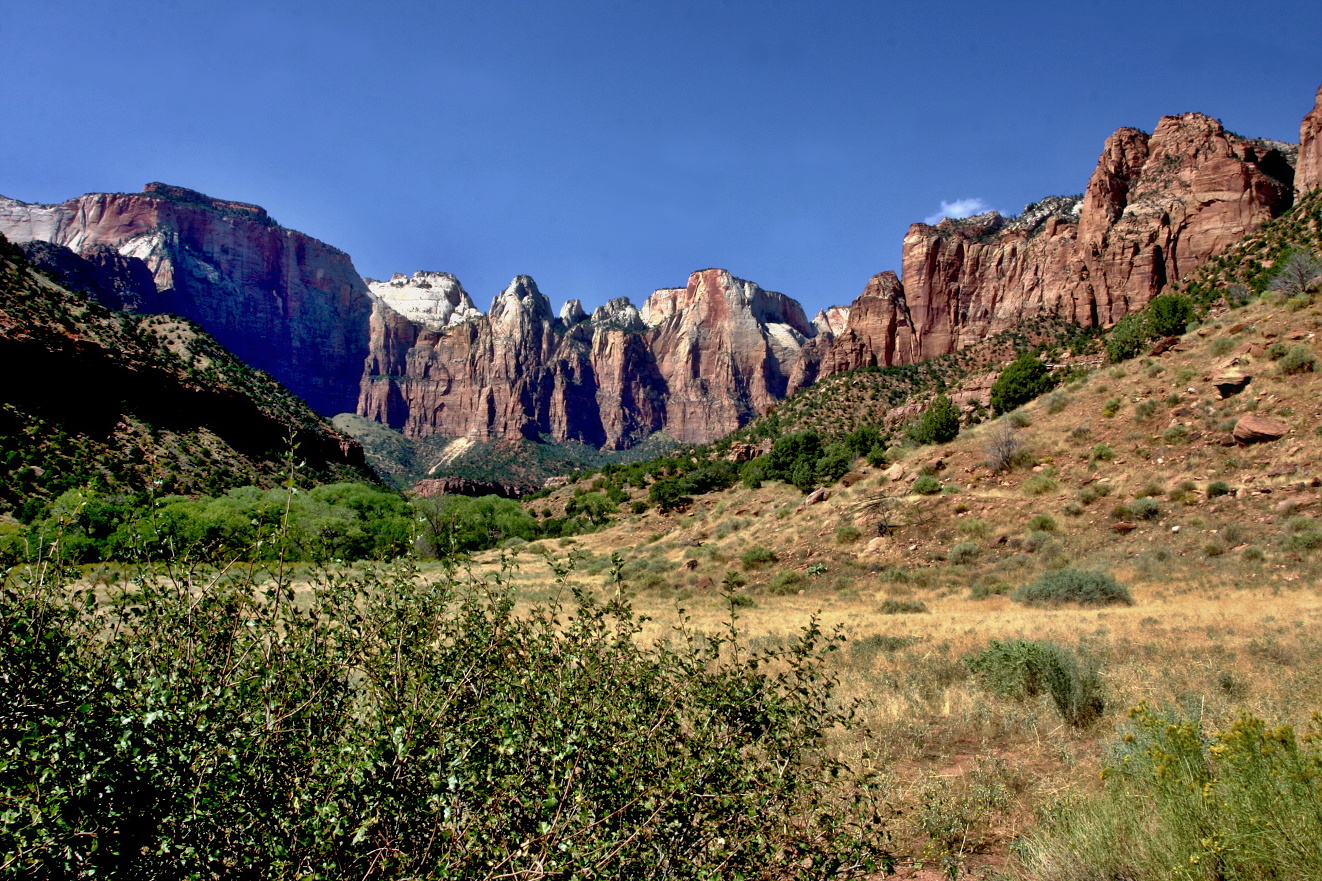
{"x": 1157, "y": 205}
{"x": 282, "y": 301}
{"x": 1308, "y": 173}
{"x": 694, "y": 362}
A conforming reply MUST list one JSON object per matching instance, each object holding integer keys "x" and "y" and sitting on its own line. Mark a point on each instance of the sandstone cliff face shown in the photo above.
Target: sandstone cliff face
{"x": 280, "y": 300}
{"x": 695, "y": 362}
{"x": 1157, "y": 205}
{"x": 1308, "y": 173}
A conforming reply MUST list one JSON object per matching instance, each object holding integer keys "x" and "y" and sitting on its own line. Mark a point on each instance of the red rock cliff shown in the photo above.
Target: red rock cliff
{"x": 1308, "y": 173}
{"x": 695, "y": 362}
{"x": 1157, "y": 205}
{"x": 282, "y": 301}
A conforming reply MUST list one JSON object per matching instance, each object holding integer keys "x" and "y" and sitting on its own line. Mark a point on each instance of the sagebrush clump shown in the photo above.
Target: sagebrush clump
{"x": 1087, "y": 587}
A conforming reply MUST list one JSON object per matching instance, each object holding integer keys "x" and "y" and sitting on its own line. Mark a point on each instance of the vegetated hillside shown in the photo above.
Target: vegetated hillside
{"x": 116, "y": 401}
{"x": 1147, "y": 536}
{"x": 519, "y": 465}
{"x": 887, "y": 396}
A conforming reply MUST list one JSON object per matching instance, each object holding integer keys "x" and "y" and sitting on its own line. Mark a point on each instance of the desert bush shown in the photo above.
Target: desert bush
{"x": 1094, "y": 491}
{"x": 1019, "y": 419}
{"x": 982, "y": 590}
{"x": 1005, "y": 450}
{"x": 1087, "y": 587}
{"x": 1024, "y": 379}
{"x": 1112, "y": 407}
{"x": 976, "y": 529}
{"x": 756, "y": 557}
{"x": 1221, "y": 346}
{"x": 1296, "y": 273}
{"x": 1218, "y": 488}
{"x": 1252, "y": 555}
{"x": 939, "y": 423}
{"x": 1176, "y": 434}
{"x": 848, "y": 534}
{"x": 1042, "y": 483}
{"x": 1303, "y": 534}
{"x": 786, "y": 582}
{"x": 1127, "y": 339}
{"x": 964, "y": 552}
{"x": 1080, "y": 433}
{"x": 1101, "y": 453}
{"x": 926, "y": 485}
{"x": 864, "y": 650}
{"x": 1243, "y": 804}
{"x": 1022, "y": 669}
{"x": 1145, "y": 509}
{"x": 893, "y": 606}
{"x": 1152, "y": 487}
{"x": 1169, "y": 314}
{"x": 1184, "y": 491}
{"x": 390, "y": 726}
{"x": 1298, "y": 359}
{"x": 1043, "y": 523}
{"x": 1073, "y": 509}
{"x": 1145, "y": 410}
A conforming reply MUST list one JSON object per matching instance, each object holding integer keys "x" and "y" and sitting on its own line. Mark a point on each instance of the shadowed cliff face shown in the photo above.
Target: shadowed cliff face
{"x": 280, "y": 300}
{"x": 1157, "y": 205}
{"x": 695, "y": 362}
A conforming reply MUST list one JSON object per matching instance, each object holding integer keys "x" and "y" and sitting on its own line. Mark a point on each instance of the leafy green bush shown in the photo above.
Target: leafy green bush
{"x": 756, "y": 557}
{"x": 834, "y": 464}
{"x": 1169, "y": 314}
{"x": 1127, "y": 339}
{"x": 1243, "y": 804}
{"x": 389, "y": 726}
{"x": 979, "y": 529}
{"x": 939, "y": 423}
{"x": 1218, "y": 488}
{"x": 1087, "y": 587}
{"x": 1022, "y": 669}
{"x": 668, "y": 494}
{"x": 1024, "y": 379}
{"x": 786, "y": 582}
{"x": 1043, "y": 523}
{"x": 848, "y": 534}
{"x": 1101, "y": 453}
{"x": 926, "y": 485}
{"x": 793, "y": 459}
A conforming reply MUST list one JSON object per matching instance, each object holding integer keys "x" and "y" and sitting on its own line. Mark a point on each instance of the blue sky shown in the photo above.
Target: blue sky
{"x": 610, "y": 148}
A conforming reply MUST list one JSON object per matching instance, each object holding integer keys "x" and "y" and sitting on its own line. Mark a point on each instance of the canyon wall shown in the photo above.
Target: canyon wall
{"x": 694, "y": 362}
{"x": 1157, "y": 205}
{"x": 282, "y": 301}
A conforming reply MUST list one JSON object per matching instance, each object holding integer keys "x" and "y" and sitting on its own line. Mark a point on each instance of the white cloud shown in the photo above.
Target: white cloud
{"x": 958, "y": 208}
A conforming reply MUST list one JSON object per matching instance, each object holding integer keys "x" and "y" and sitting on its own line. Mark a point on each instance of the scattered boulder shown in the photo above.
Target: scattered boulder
{"x": 818, "y": 495}
{"x": 1123, "y": 527}
{"x": 1230, "y": 381}
{"x": 1164, "y": 345}
{"x": 1251, "y": 429}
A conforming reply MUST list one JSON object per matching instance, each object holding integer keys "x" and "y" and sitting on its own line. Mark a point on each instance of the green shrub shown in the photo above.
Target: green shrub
{"x": 786, "y": 582}
{"x": 964, "y": 552}
{"x": 977, "y": 529}
{"x": 1303, "y": 534}
{"x": 1022, "y": 669}
{"x": 1024, "y": 379}
{"x": 668, "y": 494}
{"x": 1087, "y": 587}
{"x": 939, "y": 423}
{"x": 1073, "y": 509}
{"x": 894, "y": 606}
{"x": 1056, "y": 402}
{"x": 391, "y": 726}
{"x": 1298, "y": 359}
{"x": 756, "y": 557}
{"x": 1145, "y": 509}
{"x": 1043, "y": 523}
{"x": 1243, "y": 804}
{"x": 1169, "y": 314}
{"x": 1218, "y": 488}
{"x": 834, "y": 464}
{"x": 1042, "y": 483}
{"x": 927, "y": 485}
{"x": 1101, "y": 453}
{"x": 1127, "y": 339}
{"x": 1145, "y": 410}
{"x": 1176, "y": 434}
{"x": 981, "y": 591}
{"x": 1112, "y": 407}
{"x": 848, "y": 534}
